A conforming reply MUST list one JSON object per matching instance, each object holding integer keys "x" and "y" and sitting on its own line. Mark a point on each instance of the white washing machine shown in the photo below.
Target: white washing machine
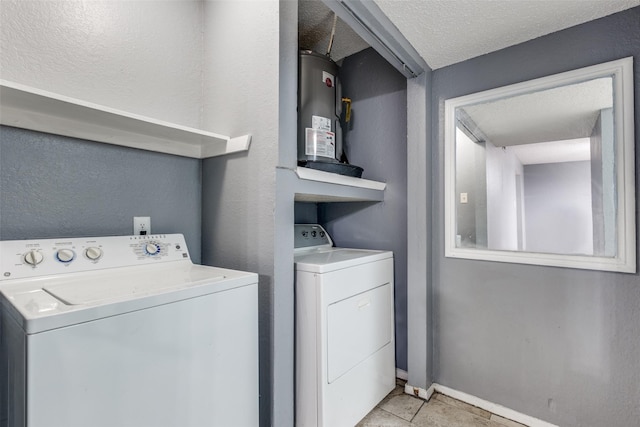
{"x": 345, "y": 351}
{"x": 125, "y": 331}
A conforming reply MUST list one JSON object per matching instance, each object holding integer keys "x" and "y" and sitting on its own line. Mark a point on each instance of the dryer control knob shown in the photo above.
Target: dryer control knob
{"x": 93, "y": 253}
{"x": 152, "y": 249}
{"x": 65, "y": 255}
{"x": 33, "y": 257}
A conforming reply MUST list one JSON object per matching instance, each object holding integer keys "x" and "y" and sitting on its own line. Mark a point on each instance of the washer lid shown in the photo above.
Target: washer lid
{"x": 325, "y": 261}
{"x": 83, "y": 291}
{"x": 50, "y": 302}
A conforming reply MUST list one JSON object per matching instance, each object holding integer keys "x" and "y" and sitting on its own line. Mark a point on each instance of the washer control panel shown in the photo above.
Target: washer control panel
{"x": 150, "y": 249}
{"x": 32, "y": 258}
{"x": 311, "y": 236}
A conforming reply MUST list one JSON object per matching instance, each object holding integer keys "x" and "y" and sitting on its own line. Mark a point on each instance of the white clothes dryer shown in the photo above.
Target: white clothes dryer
{"x": 125, "y": 331}
{"x": 345, "y": 346}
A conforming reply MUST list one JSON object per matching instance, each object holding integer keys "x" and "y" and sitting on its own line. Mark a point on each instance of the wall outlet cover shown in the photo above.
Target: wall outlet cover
{"x": 141, "y": 225}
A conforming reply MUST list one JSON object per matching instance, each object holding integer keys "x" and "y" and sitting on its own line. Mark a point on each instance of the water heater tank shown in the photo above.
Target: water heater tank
{"x": 319, "y": 133}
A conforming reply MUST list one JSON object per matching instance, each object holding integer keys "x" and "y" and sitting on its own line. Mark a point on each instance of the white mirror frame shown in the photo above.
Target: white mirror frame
{"x": 625, "y": 260}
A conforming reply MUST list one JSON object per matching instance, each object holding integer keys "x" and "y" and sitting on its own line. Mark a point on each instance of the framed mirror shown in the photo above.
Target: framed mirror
{"x": 542, "y": 172}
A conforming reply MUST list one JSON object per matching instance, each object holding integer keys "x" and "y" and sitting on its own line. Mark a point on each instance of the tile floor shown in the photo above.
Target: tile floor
{"x": 402, "y": 410}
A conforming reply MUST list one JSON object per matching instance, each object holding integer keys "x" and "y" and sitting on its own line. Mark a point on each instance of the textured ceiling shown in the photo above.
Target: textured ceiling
{"x": 445, "y": 32}
{"x": 574, "y": 150}
{"x": 561, "y": 113}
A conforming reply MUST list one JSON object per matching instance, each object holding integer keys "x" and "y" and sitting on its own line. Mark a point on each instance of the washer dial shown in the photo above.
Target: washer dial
{"x": 93, "y": 253}
{"x": 65, "y": 255}
{"x": 152, "y": 249}
{"x": 33, "y": 257}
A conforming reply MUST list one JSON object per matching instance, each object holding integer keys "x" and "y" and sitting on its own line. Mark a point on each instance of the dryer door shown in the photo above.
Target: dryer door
{"x": 357, "y": 327}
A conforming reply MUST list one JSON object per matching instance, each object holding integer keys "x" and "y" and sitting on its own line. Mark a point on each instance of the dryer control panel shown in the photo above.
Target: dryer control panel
{"x": 33, "y": 258}
{"x": 311, "y": 236}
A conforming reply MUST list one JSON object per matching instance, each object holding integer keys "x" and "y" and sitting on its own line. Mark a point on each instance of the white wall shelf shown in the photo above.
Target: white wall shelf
{"x": 312, "y": 185}
{"x": 30, "y": 108}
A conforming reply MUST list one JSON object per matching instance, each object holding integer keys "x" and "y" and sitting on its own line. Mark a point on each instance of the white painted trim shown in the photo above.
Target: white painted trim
{"x": 35, "y": 109}
{"x": 333, "y": 178}
{"x": 321, "y": 189}
{"x": 494, "y": 408}
{"x": 233, "y": 145}
{"x": 419, "y": 391}
{"x": 625, "y": 260}
{"x": 402, "y": 374}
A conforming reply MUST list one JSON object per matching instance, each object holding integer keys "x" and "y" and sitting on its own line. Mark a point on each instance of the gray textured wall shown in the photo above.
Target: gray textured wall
{"x": 306, "y": 213}
{"x": 240, "y": 191}
{"x": 54, "y": 186}
{"x": 558, "y": 344}
{"x": 376, "y": 141}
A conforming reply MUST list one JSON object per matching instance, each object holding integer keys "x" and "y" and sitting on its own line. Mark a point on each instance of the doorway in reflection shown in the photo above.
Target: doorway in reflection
{"x": 517, "y": 190}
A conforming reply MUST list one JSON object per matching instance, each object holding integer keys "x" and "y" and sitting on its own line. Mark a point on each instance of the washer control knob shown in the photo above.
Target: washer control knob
{"x": 33, "y": 257}
{"x": 65, "y": 255}
{"x": 152, "y": 248}
{"x": 93, "y": 253}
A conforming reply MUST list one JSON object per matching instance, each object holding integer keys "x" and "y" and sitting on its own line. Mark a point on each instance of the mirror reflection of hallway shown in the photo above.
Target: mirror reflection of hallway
{"x": 542, "y": 195}
{"x": 543, "y": 167}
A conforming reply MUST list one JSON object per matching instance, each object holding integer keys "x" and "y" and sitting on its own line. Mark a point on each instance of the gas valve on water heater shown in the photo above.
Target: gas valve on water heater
{"x": 319, "y": 115}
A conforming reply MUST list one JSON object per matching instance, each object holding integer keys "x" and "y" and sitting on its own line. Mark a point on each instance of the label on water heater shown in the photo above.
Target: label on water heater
{"x": 320, "y": 143}
{"x": 327, "y": 79}
{"x": 321, "y": 123}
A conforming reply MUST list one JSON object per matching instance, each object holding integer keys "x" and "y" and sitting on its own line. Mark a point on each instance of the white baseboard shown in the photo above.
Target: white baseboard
{"x": 419, "y": 392}
{"x": 494, "y": 408}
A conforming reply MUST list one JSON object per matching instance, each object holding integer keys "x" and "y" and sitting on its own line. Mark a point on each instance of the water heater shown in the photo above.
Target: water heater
{"x": 319, "y": 110}
{"x": 318, "y": 118}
